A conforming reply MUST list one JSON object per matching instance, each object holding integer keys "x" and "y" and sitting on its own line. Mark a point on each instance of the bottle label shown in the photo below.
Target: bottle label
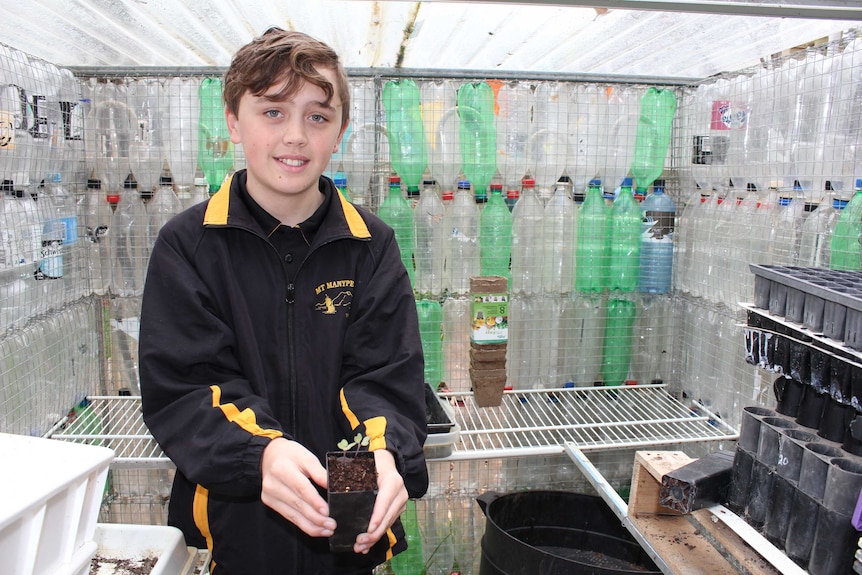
{"x": 662, "y": 228}
{"x": 51, "y": 260}
{"x": 727, "y": 115}
{"x": 7, "y": 130}
{"x": 489, "y": 318}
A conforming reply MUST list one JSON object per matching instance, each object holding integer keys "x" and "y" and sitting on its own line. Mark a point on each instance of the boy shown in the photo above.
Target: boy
{"x": 248, "y": 377}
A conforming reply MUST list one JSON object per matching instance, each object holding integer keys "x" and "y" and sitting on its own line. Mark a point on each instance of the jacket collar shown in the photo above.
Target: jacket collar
{"x": 225, "y": 208}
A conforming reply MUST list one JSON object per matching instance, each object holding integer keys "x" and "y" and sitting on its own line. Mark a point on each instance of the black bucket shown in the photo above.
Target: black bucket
{"x": 556, "y": 533}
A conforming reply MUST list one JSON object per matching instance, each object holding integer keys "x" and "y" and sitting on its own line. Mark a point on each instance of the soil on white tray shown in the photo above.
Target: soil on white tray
{"x": 111, "y": 566}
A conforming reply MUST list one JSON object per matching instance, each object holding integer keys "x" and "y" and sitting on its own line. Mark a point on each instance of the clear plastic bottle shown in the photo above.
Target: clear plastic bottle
{"x": 456, "y": 343}
{"x": 396, "y": 211}
{"x": 340, "y": 182}
{"x": 199, "y": 193}
{"x": 656, "y": 258}
{"x": 786, "y": 228}
{"x": 847, "y": 233}
{"x": 49, "y": 258}
{"x": 66, "y": 218}
{"x": 586, "y": 337}
{"x": 461, "y": 223}
{"x": 593, "y": 247}
{"x": 512, "y": 196}
{"x": 130, "y": 242}
{"x": 97, "y": 218}
{"x": 816, "y": 233}
{"x": 626, "y": 223}
{"x": 495, "y": 236}
{"x": 411, "y": 561}
{"x": 162, "y": 207}
{"x": 527, "y": 217}
{"x": 430, "y": 242}
{"x": 559, "y": 237}
{"x": 15, "y": 272}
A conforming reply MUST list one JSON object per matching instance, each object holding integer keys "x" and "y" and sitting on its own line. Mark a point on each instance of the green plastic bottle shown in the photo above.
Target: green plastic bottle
{"x": 215, "y": 150}
{"x": 653, "y": 136}
{"x": 617, "y": 351}
{"x": 405, "y": 130}
{"x": 847, "y": 234}
{"x": 495, "y": 236}
{"x": 431, "y": 332}
{"x": 477, "y": 133}
{"x": 593, "y": 248}
{"x": 625, "y": 240}
{"x": 396, "y": 211}
{"x": 411, "y": 561}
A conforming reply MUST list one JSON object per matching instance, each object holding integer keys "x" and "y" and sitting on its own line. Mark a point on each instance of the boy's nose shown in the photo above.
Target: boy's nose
{"x": 294, "y": 132}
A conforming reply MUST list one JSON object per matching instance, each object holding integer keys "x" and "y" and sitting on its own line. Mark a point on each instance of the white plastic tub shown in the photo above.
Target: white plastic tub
{"x": 138, "y": 542}
{"x": 52, "y": 491}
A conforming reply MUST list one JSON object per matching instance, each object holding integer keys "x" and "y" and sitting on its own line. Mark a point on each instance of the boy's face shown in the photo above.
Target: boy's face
{"x": 287, "y": 143}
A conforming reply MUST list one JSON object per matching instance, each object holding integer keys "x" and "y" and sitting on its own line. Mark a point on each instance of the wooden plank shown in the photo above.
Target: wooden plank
{"x": 681, "y": 546}
{"x": 730, "y": 543}
{"x": 649, "y": 467}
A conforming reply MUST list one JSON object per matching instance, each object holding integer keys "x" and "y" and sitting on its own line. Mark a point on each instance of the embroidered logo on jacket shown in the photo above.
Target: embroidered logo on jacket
{"x": 333, "y": 295}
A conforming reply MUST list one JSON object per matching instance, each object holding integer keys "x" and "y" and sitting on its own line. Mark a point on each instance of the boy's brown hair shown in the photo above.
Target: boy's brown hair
{"x": 289, "y": 57}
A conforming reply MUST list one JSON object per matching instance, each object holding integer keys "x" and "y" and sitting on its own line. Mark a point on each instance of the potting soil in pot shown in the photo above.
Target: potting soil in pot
{"x": 111, "y": 566}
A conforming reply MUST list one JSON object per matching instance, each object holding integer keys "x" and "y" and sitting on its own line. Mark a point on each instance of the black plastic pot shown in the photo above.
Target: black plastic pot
{"x": 351, "y": 511}
{"x": 556, "y": 533}
{"x": 749, "y": 429}
{"x": 788, "y": 394}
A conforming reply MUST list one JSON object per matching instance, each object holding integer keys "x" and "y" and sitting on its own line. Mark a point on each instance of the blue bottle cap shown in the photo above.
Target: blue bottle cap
{"x": 463, "y": 184}
{"x": 859, "y": 183}
{"x": 627, "y": 183}
{"x": 595, "y": 182}
{"x": 340, "y": 182}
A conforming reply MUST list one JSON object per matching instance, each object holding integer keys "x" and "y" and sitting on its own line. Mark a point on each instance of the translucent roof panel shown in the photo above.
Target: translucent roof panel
{"x": 675, "y": 39}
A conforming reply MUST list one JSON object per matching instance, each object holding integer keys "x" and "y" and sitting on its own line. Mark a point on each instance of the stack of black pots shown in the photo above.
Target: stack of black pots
{"x": 795, "y": 482}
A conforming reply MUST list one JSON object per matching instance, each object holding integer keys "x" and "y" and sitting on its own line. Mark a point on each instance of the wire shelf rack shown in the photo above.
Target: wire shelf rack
{"x": 116, "y": 422}
{"x": 528, "y": 422}
{"x": 539, "y": 422}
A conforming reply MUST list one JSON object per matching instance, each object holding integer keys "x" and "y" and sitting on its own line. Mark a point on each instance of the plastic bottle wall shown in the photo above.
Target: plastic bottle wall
{"x": 738, "y": 145}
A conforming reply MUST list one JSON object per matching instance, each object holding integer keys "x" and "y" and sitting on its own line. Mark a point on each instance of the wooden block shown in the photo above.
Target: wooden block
{"x": 649, "y": 466}
{"x": 698, "y": 484}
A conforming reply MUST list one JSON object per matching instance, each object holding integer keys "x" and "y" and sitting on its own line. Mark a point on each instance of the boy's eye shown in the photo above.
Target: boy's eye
{"x": 317, "y": 118}
{"x": 272, "y": 113}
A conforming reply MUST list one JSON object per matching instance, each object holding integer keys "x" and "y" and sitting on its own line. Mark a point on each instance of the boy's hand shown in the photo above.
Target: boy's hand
{"x": 288, "y": 470}
{"x": 391, "y": 501}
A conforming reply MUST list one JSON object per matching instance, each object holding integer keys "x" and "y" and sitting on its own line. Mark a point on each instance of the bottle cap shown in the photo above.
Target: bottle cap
{"x": 113, "y": 199}
{"x": 394, "y": 179}
{"x": 595, "y": 182}
{"x": 94, "y": 184}
{"x": 448, "y": 195}
{"x": 528, "y": 182}
{"x": 513, "y": 194}
{"x": 130, "y": 183}
{"x": 56, "y": 177}
{"x": 496, "y": 186}
{"x": 166, "y": 180}
{"x": 658, "y": 184}
{"x": 411, "y": 190}
{"x": 201, "y": 182}
{"x": 464, "y": 184}
{"x": 627, "y": 182}
{"x": 430, "y": 182}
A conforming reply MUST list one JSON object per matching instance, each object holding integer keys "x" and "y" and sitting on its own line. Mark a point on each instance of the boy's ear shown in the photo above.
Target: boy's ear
{"x": 231, "y": 119}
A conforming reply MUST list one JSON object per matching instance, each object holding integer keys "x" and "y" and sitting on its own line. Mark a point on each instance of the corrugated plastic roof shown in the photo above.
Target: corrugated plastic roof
{"x": 672, "y": 39}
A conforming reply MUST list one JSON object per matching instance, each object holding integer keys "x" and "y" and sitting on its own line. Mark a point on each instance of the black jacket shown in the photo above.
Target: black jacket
{"x": 234, "y": 353}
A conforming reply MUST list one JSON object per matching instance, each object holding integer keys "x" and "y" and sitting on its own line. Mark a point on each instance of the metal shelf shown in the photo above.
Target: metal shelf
{"x": 117, "y": 423}
{"x": 538, "y": 422}
{"x": 528, "y": 422}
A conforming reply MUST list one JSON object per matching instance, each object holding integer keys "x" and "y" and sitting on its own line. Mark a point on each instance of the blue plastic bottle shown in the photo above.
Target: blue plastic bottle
{"x": 656, "y": 267}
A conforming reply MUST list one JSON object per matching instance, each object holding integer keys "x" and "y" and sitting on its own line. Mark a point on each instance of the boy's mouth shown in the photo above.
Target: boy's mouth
{"x": 292, "y": 162}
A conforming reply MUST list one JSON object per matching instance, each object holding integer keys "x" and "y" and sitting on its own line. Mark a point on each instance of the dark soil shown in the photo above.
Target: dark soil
{"x": 122, "y": 566}
{"x": 349, "y": 473}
